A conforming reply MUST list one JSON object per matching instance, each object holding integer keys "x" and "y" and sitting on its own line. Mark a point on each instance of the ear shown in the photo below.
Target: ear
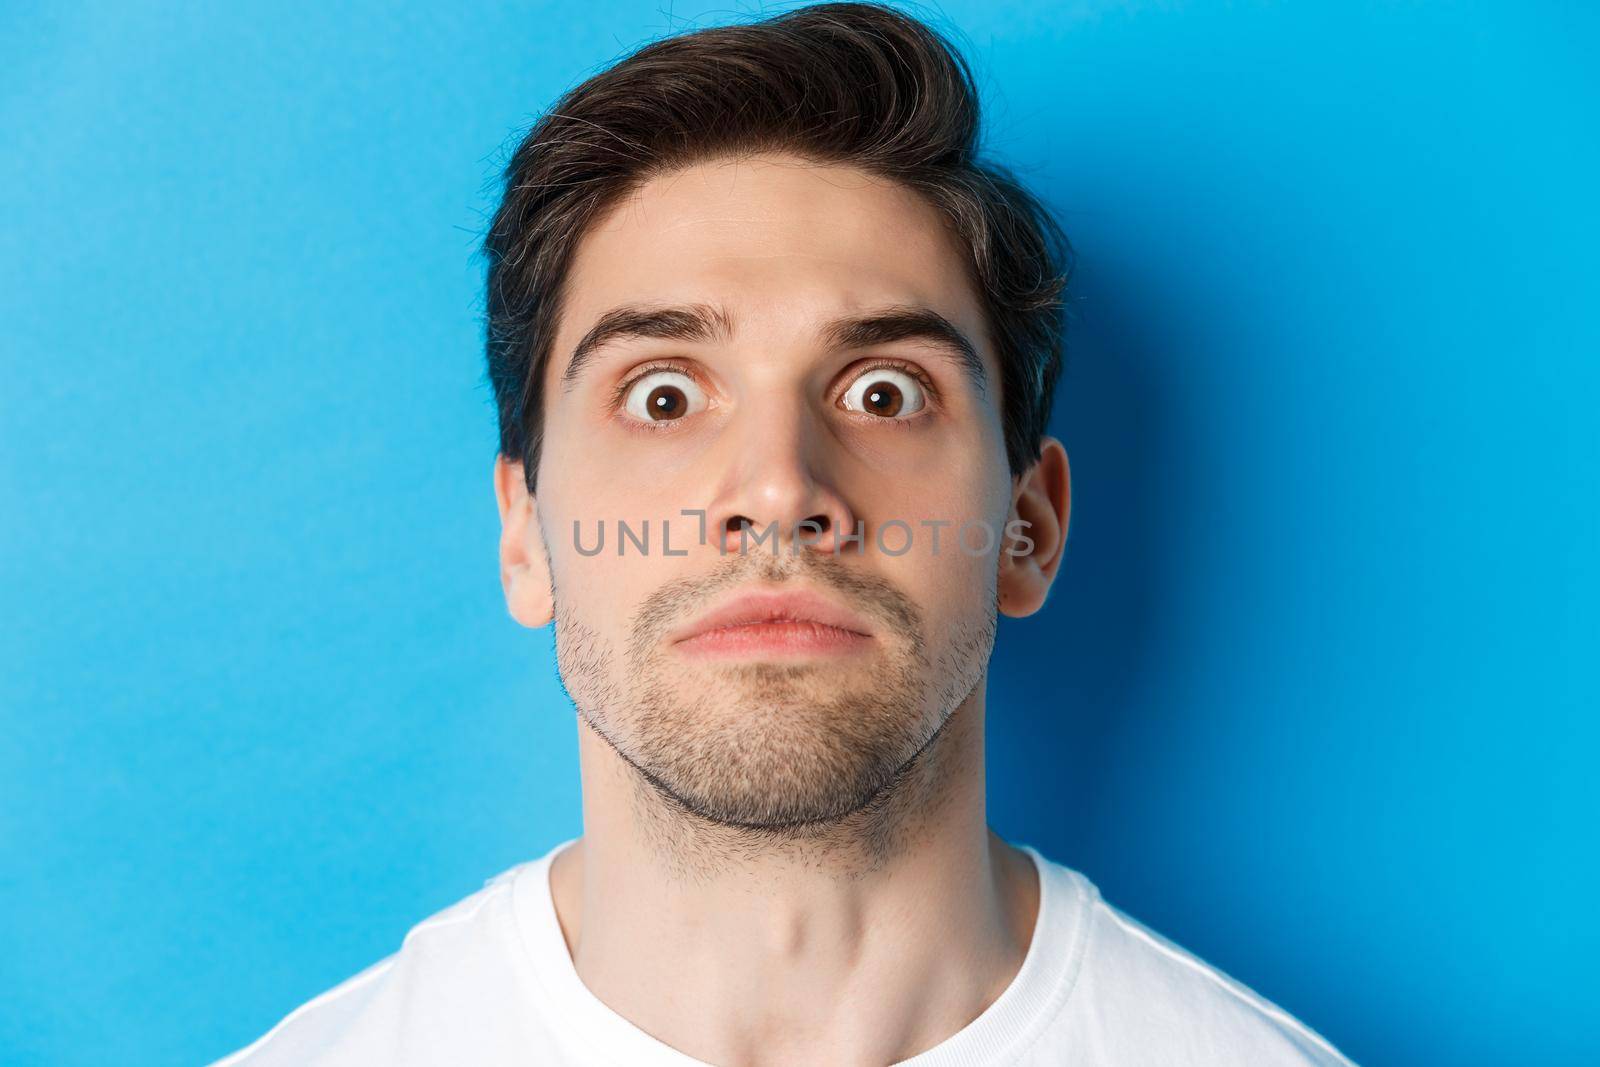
{"x": 524, "y": 563}
{"x": 1036, "y": 531}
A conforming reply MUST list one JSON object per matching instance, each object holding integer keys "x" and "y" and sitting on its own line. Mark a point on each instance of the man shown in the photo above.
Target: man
{"x": 774, "y": 355}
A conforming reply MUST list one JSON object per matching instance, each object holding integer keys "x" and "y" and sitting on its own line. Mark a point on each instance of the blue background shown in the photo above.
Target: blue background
{"x": 1315, "y": 695}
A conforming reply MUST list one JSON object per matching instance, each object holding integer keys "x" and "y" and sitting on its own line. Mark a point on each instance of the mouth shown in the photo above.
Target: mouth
{"x": 793, "y": 624}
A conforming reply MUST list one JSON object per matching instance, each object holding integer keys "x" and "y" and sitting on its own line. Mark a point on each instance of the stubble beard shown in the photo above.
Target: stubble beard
{"x": 770, "y": 750}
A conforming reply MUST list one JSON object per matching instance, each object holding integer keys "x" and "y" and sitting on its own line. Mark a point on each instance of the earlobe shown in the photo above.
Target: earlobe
{"x": 524, "y": 563}
{"x": 1035, "y": 538}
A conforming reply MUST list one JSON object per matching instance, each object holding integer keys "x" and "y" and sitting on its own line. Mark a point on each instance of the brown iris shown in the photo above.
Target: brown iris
{"x": 882, "y": 398}
{"x": 666, "y": 402}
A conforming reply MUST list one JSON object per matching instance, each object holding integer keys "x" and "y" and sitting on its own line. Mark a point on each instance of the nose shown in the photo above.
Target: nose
{"x": 780, "y": 488}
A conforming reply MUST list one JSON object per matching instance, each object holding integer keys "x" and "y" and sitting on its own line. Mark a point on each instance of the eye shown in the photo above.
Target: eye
{"x": 663, "y": 396}
{"x": 885, "y": 391}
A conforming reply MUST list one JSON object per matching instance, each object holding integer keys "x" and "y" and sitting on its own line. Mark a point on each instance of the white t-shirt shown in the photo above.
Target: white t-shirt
{"x": 488, "y": 982}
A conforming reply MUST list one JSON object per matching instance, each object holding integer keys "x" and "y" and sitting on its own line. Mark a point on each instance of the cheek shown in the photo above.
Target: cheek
{"x": 595, "y": 585}
{"x": 968, "y": 488}
{"x": 594, "y": 599}
{"x": 950, "y": 569}
{"x": 612, "y": 475}
{"x": 573, "y": 522}
{"x": 951, "y": 529}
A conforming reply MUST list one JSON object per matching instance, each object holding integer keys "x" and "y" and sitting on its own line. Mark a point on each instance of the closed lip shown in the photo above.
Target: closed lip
{"x": 795, "y": 606}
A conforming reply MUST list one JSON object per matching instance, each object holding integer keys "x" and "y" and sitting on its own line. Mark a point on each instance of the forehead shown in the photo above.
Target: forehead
{"x": 782, "y": 243}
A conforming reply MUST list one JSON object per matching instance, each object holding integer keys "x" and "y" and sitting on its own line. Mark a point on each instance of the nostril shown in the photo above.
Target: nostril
{"x": 815, "y": 526}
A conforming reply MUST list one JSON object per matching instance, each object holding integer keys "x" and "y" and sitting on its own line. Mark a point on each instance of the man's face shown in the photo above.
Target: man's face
{"x": 775, "y": 423}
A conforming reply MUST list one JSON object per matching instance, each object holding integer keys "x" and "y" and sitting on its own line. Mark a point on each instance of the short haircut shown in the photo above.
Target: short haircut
{"x": 852, "y": 84}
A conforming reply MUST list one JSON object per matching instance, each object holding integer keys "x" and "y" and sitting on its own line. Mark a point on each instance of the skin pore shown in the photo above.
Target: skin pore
{"x": 786, "y": 858}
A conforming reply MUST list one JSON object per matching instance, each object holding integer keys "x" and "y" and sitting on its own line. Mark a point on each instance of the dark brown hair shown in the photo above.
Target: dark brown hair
{"x": 840, "y": 83}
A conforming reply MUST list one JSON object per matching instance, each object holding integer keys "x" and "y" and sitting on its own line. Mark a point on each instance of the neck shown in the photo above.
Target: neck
{"x": 873, "y": 938}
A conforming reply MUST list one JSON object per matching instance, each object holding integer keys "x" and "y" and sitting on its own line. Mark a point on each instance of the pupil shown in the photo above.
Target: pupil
{"x": 665, "y": 402}
{"x": 883, "y": 398}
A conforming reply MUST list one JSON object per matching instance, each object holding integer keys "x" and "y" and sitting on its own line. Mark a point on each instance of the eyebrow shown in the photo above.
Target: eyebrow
{"x": 687, "y": 322}
{"x": 909, "y": 323}
{"x": 707, "y": 323}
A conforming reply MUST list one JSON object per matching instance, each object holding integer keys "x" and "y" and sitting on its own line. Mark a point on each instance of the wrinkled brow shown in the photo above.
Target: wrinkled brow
{"x": 705, "y": 323}
{"x": 688, "y": 322}
{"x": 909, "y": 323}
